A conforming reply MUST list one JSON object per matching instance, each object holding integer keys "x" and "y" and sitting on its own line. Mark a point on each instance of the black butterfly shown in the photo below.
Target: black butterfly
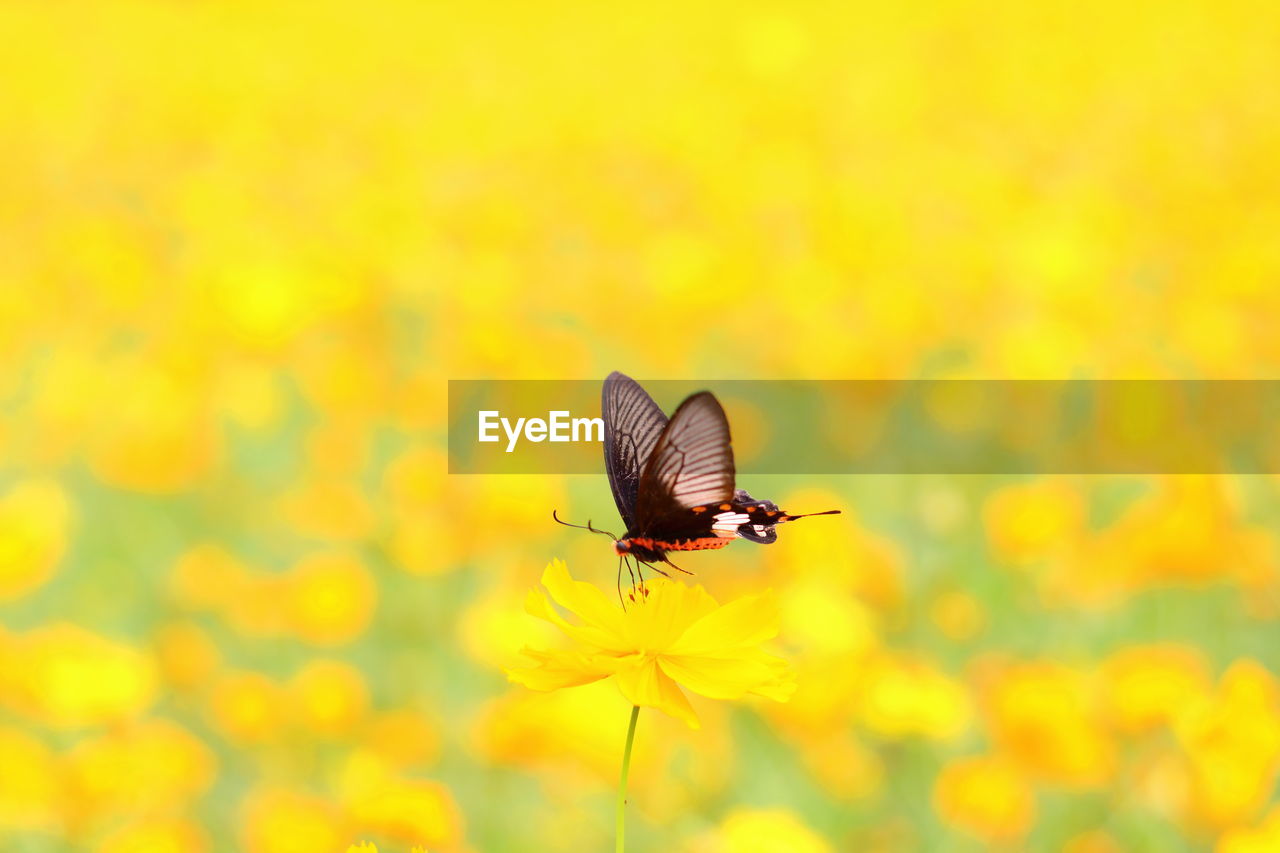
{"x": 673, "y": 481}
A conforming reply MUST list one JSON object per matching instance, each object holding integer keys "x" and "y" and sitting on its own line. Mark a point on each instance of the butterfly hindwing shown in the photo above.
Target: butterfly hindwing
{"x": 632, "y": 425}
{"x": 691, "y": 464}
{"x": 760, "y": 511}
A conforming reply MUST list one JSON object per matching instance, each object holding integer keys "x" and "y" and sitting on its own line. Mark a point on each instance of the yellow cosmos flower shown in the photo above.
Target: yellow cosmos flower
{"x": 672, "y": 636}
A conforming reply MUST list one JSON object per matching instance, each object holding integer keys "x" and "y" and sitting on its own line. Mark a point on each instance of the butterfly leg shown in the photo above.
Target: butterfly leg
{"x": 644, "y": 591}
{"x": 656, "y": 569}
{"x": 622, "y": 560}
{"x": 677, "y": 568}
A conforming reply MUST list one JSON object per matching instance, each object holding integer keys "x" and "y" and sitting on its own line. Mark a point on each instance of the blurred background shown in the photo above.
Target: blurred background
{"x": 243, "y": 246}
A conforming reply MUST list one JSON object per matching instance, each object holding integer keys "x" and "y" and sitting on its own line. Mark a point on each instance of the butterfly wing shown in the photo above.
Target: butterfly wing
{"x": 632, "y": 425}
{"x": 691, "y": 464}
{"x": 764, "y": 534}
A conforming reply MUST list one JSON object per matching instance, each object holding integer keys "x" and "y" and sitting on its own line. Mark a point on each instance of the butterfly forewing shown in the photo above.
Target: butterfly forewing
{"x": 691, "y": 464}
{"x": 632, "y": 425}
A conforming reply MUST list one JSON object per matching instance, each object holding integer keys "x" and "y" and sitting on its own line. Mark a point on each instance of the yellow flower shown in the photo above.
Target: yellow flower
{"x": 1260, "y": 839}
{"x": 985, "y": 796}
{"x": 154, "y": 766}
{"x": 1232, "y": 740}
{"x": 247, "y": 707}
{"x": 155, "y": 835}
{"x": 1149, "y": 686}
{"x": 329, "y": 598}
{"x": 277, "y": 820}
{"x": 31, "y": 785}
{"x": 672, "y": 635}
{"x": 186, "y": 655}
{"x": 1028, "y": 521}
{"x": 761, "y": 831}
{"x": 68, "y": 677}
{"x": 329, "y": 697}
{"x": 906, "y": 696}
{"x": 35, "y": 516}
{"x": 1044, "y": 716}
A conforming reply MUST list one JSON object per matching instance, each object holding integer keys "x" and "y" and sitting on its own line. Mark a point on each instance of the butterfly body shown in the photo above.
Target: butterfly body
{"x": 705, "y": 527}
{"x": 673, "y": 480}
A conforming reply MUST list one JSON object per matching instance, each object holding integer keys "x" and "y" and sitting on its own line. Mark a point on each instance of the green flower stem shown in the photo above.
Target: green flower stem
{"x": 622, "y": 784}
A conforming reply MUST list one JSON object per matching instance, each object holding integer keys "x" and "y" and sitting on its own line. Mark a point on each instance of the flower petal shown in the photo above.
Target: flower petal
{"x": 536, "y": 604}
{"x": 659, "y": 619}
{"x": 647, "y": 685}
{"x": 582, "y": 599}
{"x": 732, "y": 677}
{"x": 557, "y": 669}
{"x": 744, "y": 622}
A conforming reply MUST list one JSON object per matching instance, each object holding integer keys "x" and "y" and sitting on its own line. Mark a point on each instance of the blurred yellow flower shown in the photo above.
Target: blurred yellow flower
{"x": 155, "y": 765}
{"x": 247, "y": 707}
{"x": 186, "y": 654}
{"x": 1095, "y": 841}
{"x": 985, "y": 796}
{"x": 573, "y": 731}
{"x": 904, "y": 696}
{"x": 276, "y": 820}
{"x": 206, "y": 577}
{"x": 761, "y": 831}
{"x": 339, "y": 448}
{"x": 329, "y": 698}
{"x": 1149, "y": 686}
{"x": 1045, "y": 717}
{"x": 671, "y": 635}
{"x": 822, "y": 618}
{"x": 35, "y": 516}
{"x": 842, "y": 764}
{"x": 958, "y": 615}
{"x": 1264, "y": 838}
{"x": 329, "y": 598}
{"x": 425, "y": 544}
{"x": 68, "y": 677}
{"x": 250, "y": 396}
{"x": 1232, "y": 739}
{"x": 31, "y": 785}
{"x": 1030, "y": 521}
{"x": 161, "y": 436}
{"x": 404, "y": 737}
{"x": 380, "y": 801}
{"x": 155, "y": 835}
{"x": 328, "y": 508}
{"x": 572, "y": 736}
{"x": 409, "y": 810}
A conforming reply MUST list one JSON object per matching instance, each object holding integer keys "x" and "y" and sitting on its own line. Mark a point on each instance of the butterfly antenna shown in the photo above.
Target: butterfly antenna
{"x": 586, "y": 526}
{"x": 809, "y": 515}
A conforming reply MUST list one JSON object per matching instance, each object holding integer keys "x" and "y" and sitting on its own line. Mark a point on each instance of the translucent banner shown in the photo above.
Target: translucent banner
{"x": 895, "y": 427}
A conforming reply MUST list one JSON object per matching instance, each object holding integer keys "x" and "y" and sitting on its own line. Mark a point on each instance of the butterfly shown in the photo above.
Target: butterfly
{"x": 673, "y": 480}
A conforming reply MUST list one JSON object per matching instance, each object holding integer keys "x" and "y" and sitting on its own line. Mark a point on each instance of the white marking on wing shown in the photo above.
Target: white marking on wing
{"x": 727, "y": 523}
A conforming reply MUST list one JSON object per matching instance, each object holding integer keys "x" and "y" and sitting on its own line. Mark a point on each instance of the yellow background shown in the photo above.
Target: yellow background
{"x": 243, "y": 246}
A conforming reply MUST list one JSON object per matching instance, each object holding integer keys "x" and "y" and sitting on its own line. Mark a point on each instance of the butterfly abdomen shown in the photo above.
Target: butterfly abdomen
{"x": 705, "y": 543}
